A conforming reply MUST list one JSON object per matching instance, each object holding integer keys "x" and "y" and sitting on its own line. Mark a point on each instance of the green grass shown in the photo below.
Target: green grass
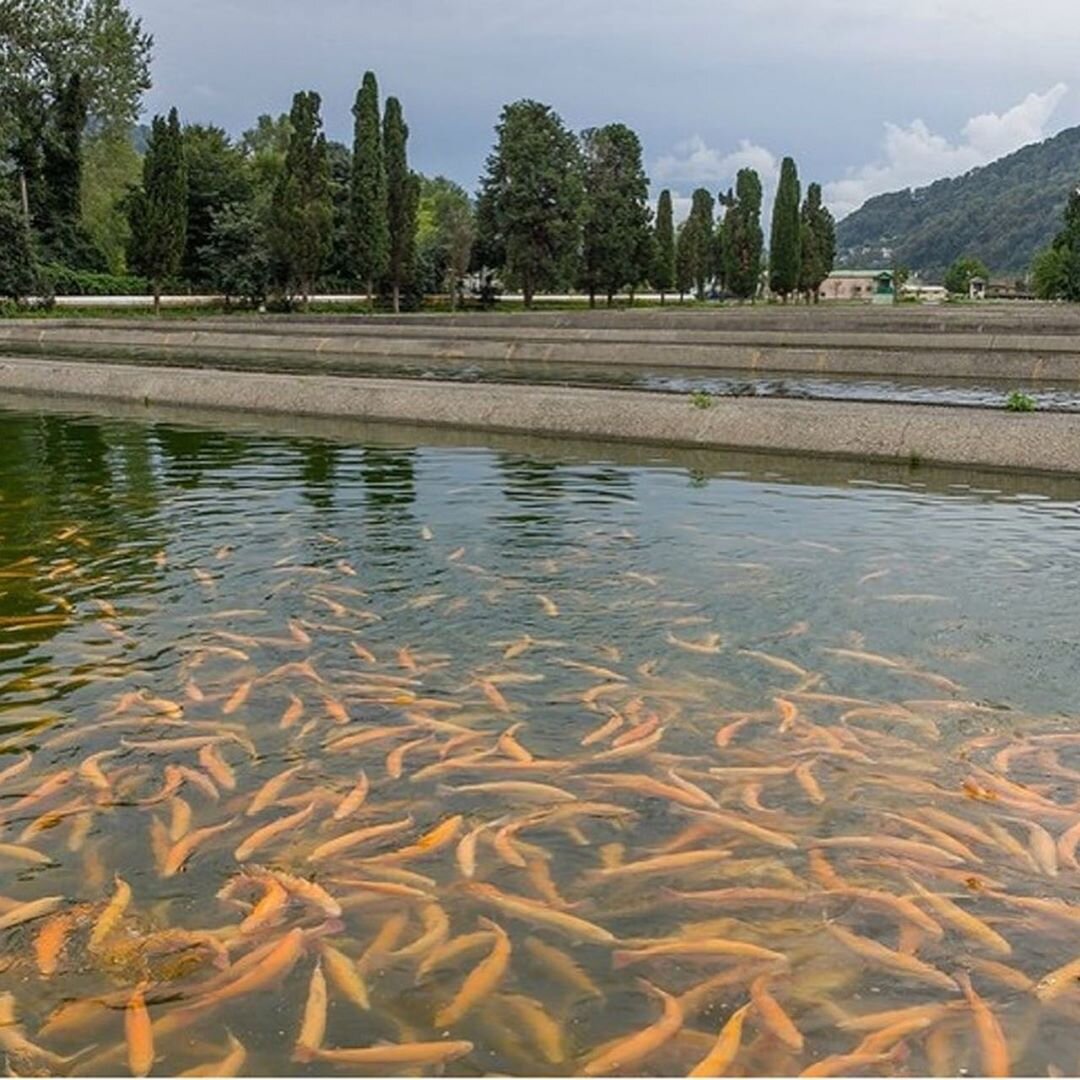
{"x": 701, "y": 400}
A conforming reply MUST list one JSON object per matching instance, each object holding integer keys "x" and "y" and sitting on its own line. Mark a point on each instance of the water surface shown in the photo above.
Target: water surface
{"x": 854, "y": 650}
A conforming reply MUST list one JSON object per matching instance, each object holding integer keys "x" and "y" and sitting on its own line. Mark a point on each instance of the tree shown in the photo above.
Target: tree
{"x": 402, "y": 201}
{"x": 663, "y": 273}
{"x": 701, "y": 213}
{"x": 958, "y": 276}
{"x": 615, "y": 225}
{"x": 743, "y": 238}
{"x": 58, "y": 214}
{"x": 370, "y": 231}
{"x": 44, "y": 46}
{"x": 17, "y": 274}
{"x": 454, "y": 232}
{"x": 158, "y": 211}
{"x": 1048, "y": 273}
{"x": 818, "y": 237}
{"x": 301, "y": 213}
{"x": 218, "y": 176}
{"x": 785, "y": 249}
{"x": 1067, "y": 245}
{"x": 110, "y": 167}
{"x": 235, "y": 256}
{"x": 531, "y": 197}
{"x": 686, "y": 246}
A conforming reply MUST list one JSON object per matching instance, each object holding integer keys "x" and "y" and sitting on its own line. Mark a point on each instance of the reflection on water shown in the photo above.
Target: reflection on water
{"x": 325, "y": 757}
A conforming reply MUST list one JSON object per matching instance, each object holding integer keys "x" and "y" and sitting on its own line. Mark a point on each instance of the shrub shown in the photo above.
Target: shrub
{"x": 63, "y": 281}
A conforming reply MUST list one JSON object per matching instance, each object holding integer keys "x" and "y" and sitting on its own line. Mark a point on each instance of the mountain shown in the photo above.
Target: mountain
{"x": 1001, "y": 213}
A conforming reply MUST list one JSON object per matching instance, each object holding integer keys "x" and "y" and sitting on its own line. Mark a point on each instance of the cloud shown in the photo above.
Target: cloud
{"x": 694, "y": 161}
{"x": 914, "y": 156}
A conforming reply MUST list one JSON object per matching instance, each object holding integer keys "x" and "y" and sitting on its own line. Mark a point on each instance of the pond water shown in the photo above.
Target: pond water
{"x": 377, "y": 753}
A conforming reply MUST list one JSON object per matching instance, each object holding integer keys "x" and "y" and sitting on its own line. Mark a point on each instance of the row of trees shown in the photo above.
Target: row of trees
{"x": 554, "y": 209}
{"x": 285, "y": 210}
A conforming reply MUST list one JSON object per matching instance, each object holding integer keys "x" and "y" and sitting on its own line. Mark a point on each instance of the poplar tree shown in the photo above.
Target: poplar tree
{"x": 370, "y": 232}
{"x": 615, "y": 229}
{"x": 784, "y": 246}
{"x": 818, "y": 236}
{"x": 158, "y": 211}
{"x": 301, "y": 210}
{"x": 61, "y": 172}
{"x": 743, "y": 238}
{"x": 530, "y": 200}
{"x": 663, "y": 273}
{"x": 701, "y": 213}
{"x": 402, "y": 201}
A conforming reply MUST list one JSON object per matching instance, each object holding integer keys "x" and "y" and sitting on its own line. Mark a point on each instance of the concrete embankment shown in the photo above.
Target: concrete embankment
{"x": 863, "y": 344}
{"x": 960, "y": 437}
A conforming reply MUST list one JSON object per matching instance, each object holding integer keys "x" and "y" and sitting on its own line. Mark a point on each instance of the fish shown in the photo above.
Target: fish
{"x": 772, "y": 1017}
{"x": 184, "y": 848}
{"x": 696, "y": 947}
{"x": 265, "y": 833}
{"x": 139, "y": 1034}
{"x": 520, "y": 907}
{"x": 229, "y": 1065}
{"x": 481, "y": 981}
{"x": 345, "y": 975}
{"x": 398, "y": 1054}
{"x": 628, "y": 1052}
{"x": 724, "y": 1051}
{"x": 277, "y": 963}
{"x": 350, "y": 840}
{"x": 30, "y": 911}
{"x": 993, "y": 1046}
{"x": 313, "y": 1025}
{"x": 107, "y": 922}
{"x": 882, "y": 956}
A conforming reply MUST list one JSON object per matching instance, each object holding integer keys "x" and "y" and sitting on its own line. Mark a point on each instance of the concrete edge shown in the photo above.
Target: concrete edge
{"x": 1045, "y": 443}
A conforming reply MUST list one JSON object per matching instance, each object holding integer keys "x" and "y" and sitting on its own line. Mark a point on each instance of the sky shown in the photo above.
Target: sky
{"x": 868, "y": 96}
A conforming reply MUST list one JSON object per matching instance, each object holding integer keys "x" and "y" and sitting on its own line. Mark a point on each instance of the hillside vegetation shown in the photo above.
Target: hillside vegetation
{"x": 1001, "y": 213}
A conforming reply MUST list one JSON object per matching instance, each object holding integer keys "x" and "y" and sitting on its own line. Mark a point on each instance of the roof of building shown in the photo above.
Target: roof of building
{"x": 860, "y": 273}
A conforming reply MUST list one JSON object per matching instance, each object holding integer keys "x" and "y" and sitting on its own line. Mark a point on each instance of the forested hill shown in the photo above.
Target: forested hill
{"x": 1001, "y": 213}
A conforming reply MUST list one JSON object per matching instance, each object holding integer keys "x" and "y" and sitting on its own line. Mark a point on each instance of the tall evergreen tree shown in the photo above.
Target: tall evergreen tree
{"x": 530, "y": 201}
{"x": 686, "y": 247}
{"x": 59, "y": 216}
{"x": 615, "y": 226}
{"x": 701, "y": 212}
{"x": 301, "y": 214}
{"x": 743, "y": 239}
{"x": 402, "y": 201}
{"x": 785, "y": 250}
{"x": 663, "y": 274}
{"x": 1067, "y": 246}
{"x": 158, "y": 211}
{"x": 368, "y": 210}
{"x": 17, "y": 274}
{"x": 818, "y": 236}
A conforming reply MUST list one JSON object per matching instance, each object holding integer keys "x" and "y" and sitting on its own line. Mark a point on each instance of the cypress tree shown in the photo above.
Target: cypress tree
{"x": 686, "y": 245}
{"x": 701, "y": 211}
{"x": 402, "y": 200}
{"x": 17, "y": 275}
{"x": 301, "y": 212}
{"x": 663, "y": 274}
{"x": 615, "y": 229}
{"x": 743, "y": 239}
{"x": 784, "y": 246}
{"x": 158, "y": 211}
{"x": 530, "y": 202}
{"x": 370, "y": 232}
{"x": 818, "y": 235}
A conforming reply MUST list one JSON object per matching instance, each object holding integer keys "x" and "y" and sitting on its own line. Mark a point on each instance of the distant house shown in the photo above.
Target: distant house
{"x": 873, "y": 285}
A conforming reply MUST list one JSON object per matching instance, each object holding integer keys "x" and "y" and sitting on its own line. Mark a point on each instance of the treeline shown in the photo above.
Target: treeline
{"x": 284, "y": 212}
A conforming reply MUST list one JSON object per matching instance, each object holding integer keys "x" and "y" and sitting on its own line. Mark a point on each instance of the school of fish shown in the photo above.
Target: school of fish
{"x": 313, "y": 827}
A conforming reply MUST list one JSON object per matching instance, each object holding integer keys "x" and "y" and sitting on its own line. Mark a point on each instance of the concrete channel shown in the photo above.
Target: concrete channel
{"x": 969, "y": 438}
